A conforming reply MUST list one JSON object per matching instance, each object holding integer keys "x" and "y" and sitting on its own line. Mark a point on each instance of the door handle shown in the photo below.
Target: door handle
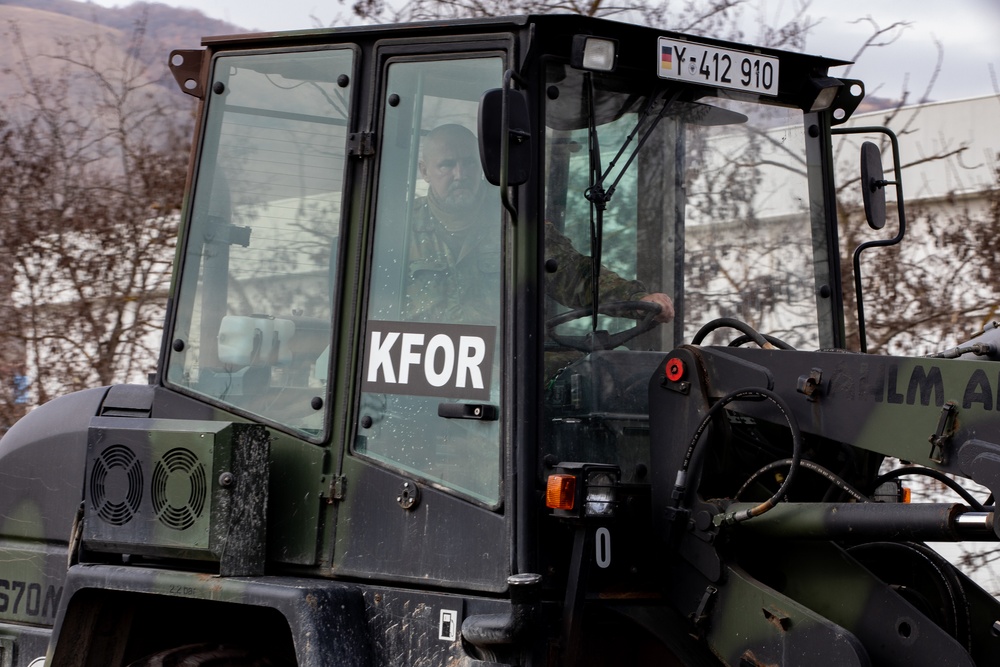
{"x": 481, "y": 411}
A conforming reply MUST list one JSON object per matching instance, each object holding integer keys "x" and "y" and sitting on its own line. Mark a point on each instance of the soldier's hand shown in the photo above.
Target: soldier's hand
{"x": 665, "y": 303}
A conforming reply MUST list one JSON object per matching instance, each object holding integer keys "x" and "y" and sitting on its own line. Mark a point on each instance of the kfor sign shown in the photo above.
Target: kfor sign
{"x": 422, "y": 359}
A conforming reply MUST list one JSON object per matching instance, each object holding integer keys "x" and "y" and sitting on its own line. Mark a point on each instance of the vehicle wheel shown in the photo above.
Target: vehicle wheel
{"x": 205, "y": 655}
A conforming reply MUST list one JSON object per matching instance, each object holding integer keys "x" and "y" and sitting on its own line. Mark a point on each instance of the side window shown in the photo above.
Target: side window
{"x": 255, "y": 302}
{"x": 431, "y": 377}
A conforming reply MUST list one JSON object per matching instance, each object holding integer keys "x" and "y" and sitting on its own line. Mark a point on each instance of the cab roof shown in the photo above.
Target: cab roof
{"x": 547, "y": 23}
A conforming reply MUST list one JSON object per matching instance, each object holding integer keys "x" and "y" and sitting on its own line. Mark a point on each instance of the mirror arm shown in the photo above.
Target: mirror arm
{"x": 505, "y": 134}
{"x": 897, "y": 171}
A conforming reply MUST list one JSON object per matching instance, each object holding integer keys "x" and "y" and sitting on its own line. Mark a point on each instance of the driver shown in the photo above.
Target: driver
{"x": 454, "y": 256}
{"x": 571, "y": 283}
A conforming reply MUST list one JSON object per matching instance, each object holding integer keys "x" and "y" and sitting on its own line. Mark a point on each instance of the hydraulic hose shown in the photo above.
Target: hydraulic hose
{"x": 750, "y": 393}
{"x": 764, "y": 341}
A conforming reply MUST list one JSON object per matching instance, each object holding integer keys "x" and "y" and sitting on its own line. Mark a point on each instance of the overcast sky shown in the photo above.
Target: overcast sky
{"x": 968, "y": 30}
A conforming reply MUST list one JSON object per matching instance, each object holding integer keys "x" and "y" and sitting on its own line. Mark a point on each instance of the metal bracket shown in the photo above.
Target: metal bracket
{"x": 186, "y": 66}
{"x": 811, "y": 384}
{"x": 361, "y": 144}
{"x": 945, "y": 429}
{"x": 701, "y": 615}
{"x": 227, "y": 234}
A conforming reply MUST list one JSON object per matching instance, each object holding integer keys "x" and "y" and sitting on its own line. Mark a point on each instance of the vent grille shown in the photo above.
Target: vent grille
{"x": 179, "y": 489}
{"x": 116, "y": 485}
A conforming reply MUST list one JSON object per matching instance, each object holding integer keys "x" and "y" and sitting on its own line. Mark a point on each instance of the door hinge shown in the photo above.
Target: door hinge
{"x": 361, "y": 144}
{"x": 337, "y": 486}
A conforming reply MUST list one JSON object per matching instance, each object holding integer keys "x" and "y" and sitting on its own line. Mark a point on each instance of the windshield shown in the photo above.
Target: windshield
{"x": 698, "y": 209}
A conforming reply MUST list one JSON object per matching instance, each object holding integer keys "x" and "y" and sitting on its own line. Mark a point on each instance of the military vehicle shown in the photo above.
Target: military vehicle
{"x": 417, "y": 408}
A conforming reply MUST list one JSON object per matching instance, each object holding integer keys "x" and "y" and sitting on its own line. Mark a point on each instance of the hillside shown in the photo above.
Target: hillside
{"x": 167, "y": 21}
{"x": 45, "y": 25}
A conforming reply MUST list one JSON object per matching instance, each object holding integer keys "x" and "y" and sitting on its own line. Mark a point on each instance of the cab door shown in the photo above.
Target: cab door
{"x": 423, "y": 468}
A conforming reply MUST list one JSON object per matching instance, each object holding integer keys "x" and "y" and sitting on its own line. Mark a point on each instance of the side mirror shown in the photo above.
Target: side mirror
{"x": 873, "y": 185}
{"x": 492, "y": 135}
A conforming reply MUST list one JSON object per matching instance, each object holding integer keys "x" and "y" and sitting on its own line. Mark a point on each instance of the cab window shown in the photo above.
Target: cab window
{"x": 256, "y": 293}
{"x": 430, "y": 376}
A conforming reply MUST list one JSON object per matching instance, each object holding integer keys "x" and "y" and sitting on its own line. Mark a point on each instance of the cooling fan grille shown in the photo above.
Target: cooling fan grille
{"x": 179, "y": 488}
{"x": 116, "y": 485}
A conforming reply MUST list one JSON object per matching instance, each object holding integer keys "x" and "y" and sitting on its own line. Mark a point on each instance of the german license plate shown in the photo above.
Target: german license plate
{"x": 718, "y": 67}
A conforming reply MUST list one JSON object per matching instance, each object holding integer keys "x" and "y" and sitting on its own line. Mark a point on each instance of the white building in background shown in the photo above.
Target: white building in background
{"x": 950, "y": 163}
{"x": 967, "y": 131}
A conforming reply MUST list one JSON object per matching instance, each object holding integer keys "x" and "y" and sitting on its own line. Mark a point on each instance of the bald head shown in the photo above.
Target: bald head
{"x": 450, "y": 165}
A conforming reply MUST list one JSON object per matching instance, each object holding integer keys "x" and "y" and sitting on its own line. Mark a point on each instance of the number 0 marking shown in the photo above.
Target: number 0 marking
{"x": 602, "y": 539}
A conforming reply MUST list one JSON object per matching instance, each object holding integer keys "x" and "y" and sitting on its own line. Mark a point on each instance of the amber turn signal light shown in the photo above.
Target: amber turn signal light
{"x": 560, "y": 492}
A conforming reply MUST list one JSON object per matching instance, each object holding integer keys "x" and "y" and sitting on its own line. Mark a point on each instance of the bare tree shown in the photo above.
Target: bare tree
{"x": 716, "y": 18}
{"x": 92, "y": 166}
{"x": 936, "y": 288}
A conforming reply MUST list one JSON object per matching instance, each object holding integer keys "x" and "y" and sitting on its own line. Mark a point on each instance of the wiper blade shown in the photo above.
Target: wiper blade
{"x": 597, "y": 205}
{"x": 596, "y": 193}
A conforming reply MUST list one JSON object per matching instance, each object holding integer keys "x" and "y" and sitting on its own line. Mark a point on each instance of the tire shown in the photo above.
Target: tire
{"x": 205, "y": 655}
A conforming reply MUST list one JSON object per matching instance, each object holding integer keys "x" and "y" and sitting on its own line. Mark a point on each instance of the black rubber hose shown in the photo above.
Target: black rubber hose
{"x": 935, "y": 474}
{"x": 767, "y": 342}
{"x": 749, "y": 393}
{"x": 833, "y": 477}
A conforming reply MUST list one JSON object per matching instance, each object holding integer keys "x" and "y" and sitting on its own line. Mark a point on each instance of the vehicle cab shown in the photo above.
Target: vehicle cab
{"x": 430, "y": 261}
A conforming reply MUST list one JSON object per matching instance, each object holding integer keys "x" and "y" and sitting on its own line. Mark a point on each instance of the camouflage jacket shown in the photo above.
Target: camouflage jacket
{"x": 456, "y": 277}
{"x": 571, "y": 283}
{"x": 453, "y": 277}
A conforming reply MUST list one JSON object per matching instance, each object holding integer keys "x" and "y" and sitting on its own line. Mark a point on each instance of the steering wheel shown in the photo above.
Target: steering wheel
{"x": 602, "y": 340}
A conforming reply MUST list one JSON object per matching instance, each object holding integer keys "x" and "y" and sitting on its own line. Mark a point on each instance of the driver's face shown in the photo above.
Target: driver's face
{"x": 451, "y": 168}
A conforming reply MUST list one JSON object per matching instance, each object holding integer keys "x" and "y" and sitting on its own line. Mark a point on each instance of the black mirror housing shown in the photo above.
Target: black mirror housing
{"x": 492, "y": 134}
{"x": 873, "y": 185}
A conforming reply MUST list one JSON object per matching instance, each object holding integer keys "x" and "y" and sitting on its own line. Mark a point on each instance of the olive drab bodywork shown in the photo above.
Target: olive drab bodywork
{"x": 436, "y": 384}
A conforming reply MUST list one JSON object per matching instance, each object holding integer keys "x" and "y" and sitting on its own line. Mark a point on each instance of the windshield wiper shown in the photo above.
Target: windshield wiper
{"x": 596, "y": 194}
